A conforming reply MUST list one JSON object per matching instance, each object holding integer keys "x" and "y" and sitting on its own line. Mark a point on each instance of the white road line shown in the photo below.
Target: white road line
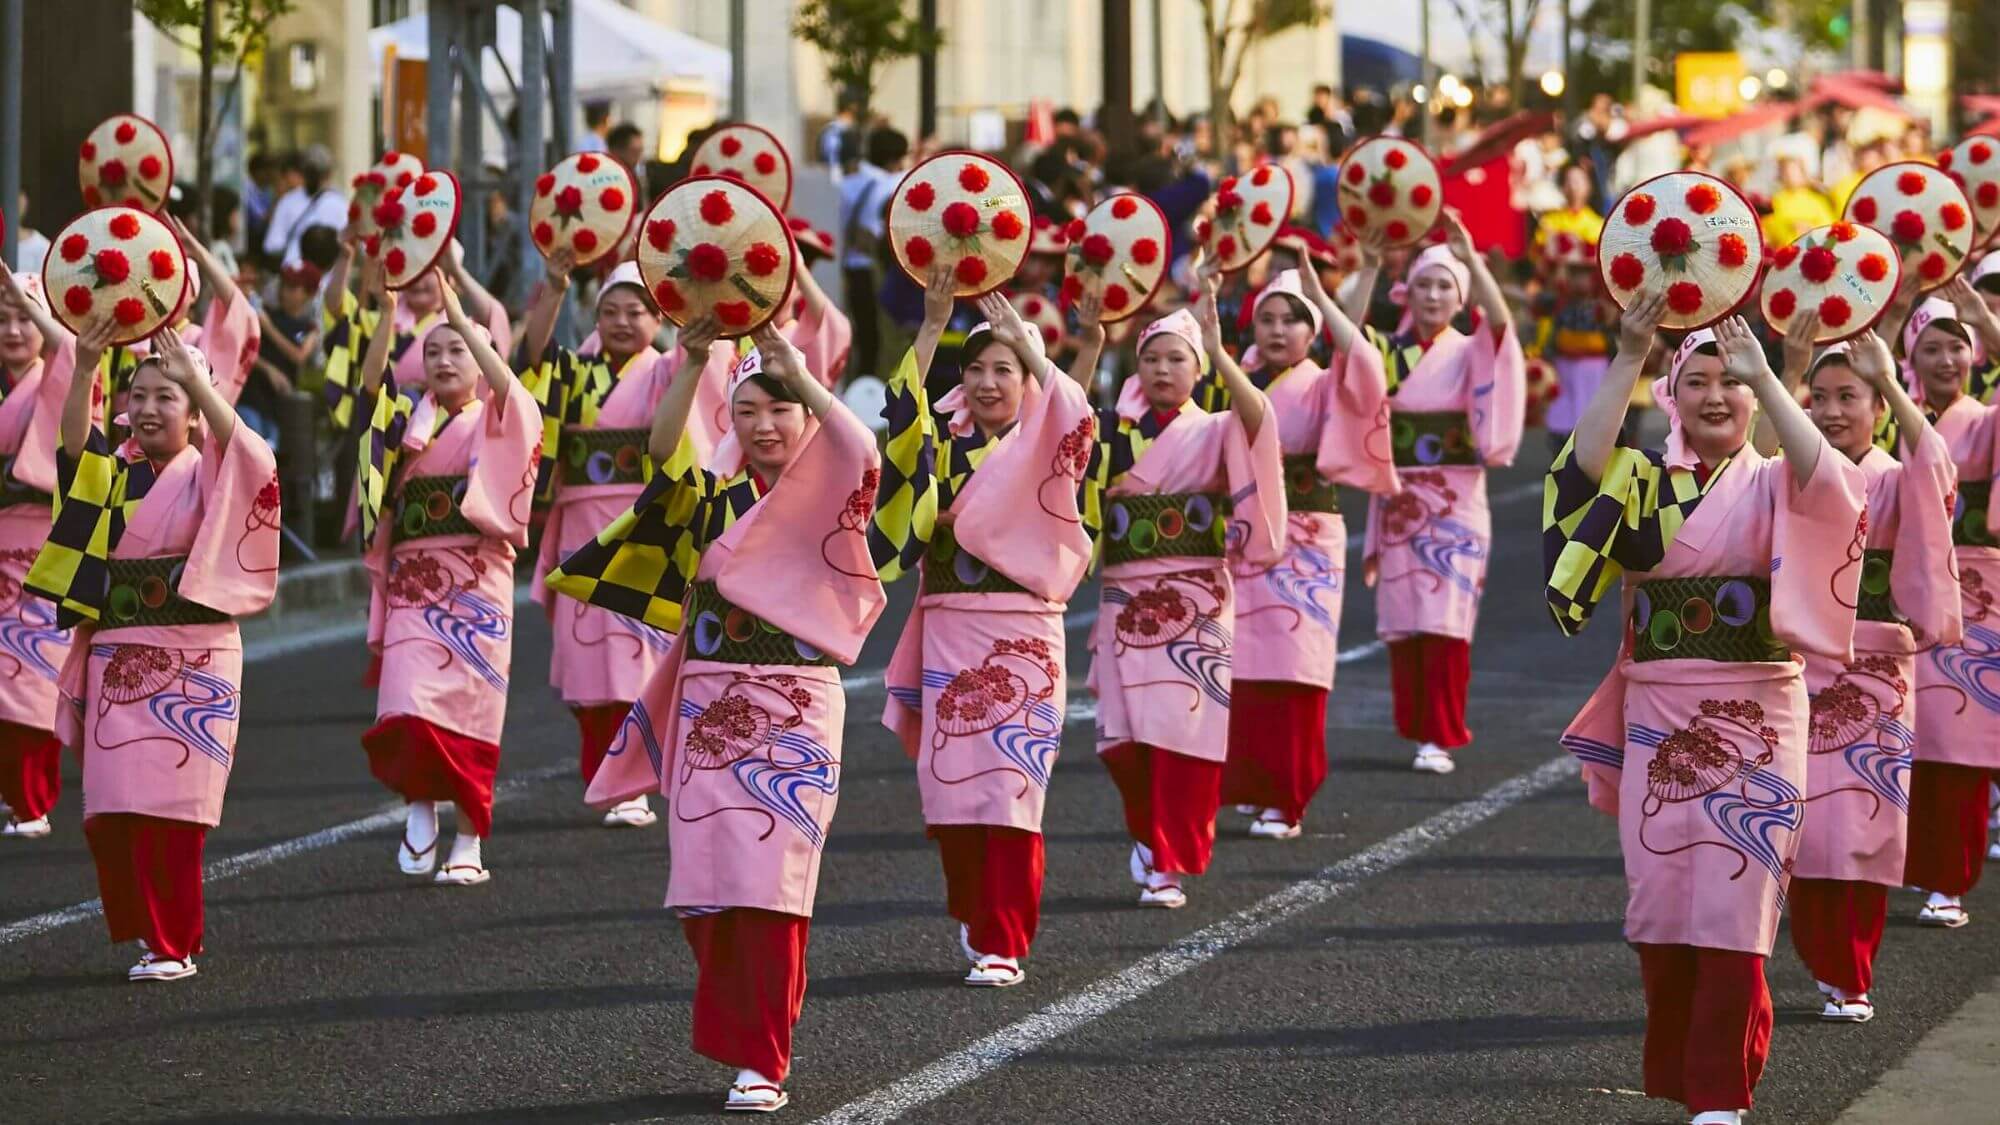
{"x": 277, "y": 853}
{"x": 1072, "y": 1012}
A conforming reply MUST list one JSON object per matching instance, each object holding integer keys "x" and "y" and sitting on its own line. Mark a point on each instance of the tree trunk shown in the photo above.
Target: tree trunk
{"x": 1220, "y": 117}
{"x": 205, "y": 139}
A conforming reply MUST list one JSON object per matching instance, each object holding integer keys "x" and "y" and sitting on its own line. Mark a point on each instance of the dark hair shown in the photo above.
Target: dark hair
{"x": 595, "y": 114}
{"x": 772, "y": 387}
{"x": 1990, "y": 283}
{"x": 621, "y": 133}
{"x": 320, "y": 245}
{"x": 1066, "y": 116}
{"x": 975, "y": 343}
{"x": 261, "y": 161}
{"x": 887, "y": 146}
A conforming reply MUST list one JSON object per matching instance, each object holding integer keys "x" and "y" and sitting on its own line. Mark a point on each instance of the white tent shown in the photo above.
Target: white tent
{"x": 620, "y": 54}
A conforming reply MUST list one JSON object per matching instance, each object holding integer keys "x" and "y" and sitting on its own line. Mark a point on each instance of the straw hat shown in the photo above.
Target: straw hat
{"x": 1047, "y": 236}
{"x": 751, "y": 154}
{"x": 1042, "y": 313}
{"x": 715, "y": 244}
{"x": 1974, "y": 165}
{"x": 119, "y": 260}
{"x": 416, "y": 226}
{"x": 586, "y": 202}
{"x": 1390, "y": 191}
{"x": 1689, "y": 233}
{"x": 814, "y": 244}
{"x": 1923, "y": 212}
{"x": 1566, "y": 249}
{"x": 964, "y": 209}
{"x": 1847, "y": 271}
{"x": 1244, "y": 216}
{"x": 1119, "y": 250}
{"x": 394, "y": 170}
{"x": 126, "y": 159}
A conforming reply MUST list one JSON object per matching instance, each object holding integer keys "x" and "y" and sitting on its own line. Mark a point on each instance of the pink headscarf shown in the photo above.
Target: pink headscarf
{"x": 1679, "y": 456}
{"x": 129, "y": 448}
{"x": 1928, "y": 312}
{"x": 1439, "y": 257}
{"x": 1287, "y": 284}
{"x": 954, "y": 402}
{"x": 1132, "y": 404}
{"x": 728, "y": 458}
{"x": 31, "y": 286}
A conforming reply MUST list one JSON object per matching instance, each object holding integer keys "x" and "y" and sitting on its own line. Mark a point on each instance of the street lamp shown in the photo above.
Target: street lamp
{"x": 1552, "y": 83}
{"x": 1749, "y": 88}
{"x": 1420, "y": 94}
{"x": 1777, "y": 79}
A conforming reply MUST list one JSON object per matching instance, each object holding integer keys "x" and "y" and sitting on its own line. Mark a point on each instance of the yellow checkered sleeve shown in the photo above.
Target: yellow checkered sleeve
{"x": 71, "y": 569}
{"x": 1593, "y": 531}
{"x": 641, "y": 565}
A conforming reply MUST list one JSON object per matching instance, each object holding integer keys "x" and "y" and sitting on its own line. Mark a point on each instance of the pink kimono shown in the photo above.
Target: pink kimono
{"x": 1958, "y": 685}
{"x": 229, "y": 336}
{"x": 406, "y": 360}
{"x": 32, "y": 648}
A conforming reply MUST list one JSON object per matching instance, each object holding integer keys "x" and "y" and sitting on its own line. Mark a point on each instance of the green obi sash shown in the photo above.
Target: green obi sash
{"x": 1721, "y": 618}
{"x": 13, "y": 493}
{"x": 1305, "y": 489}
{"x": 951, "y": 569}
{"x": 1874, "y": 602}
{"x": 1165, "y": 525}
{"x": 1420, "y": 440}
{"x": 144, "y": 592}
{"x": 1968, "y": 524}
{"x": 725, "y": 634}
{"x": 594, "y": 456}
{"x": 428, "y": 508}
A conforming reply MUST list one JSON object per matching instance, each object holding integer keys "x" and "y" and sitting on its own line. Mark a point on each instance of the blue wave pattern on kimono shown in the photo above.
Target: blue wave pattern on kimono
{"x": 1442, "y": 544}
{"x": 1034, "y": 753}
{"x": 1884, "y": 762}
{"x": 462, "y": 634}
{"x": 658, "y": 640}
{"x": 1302, "y": 587}
{"x": 910, "y": 697}
{"x": 1976, "y": 672}
{"x": 1594, "y": 752}
{"x": 24, "y": 637}
{"x": 1207, "y": 668}
{"x": 639, "y": 724}
{"x": 190, "y": 716}
{"x": 797, "y": 765}
{"x": 1752, "y": 816}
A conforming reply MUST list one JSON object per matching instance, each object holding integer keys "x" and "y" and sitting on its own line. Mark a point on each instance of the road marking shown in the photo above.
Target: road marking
{"x": 1072, "y": 1012}
{"x": 277, "y": 853}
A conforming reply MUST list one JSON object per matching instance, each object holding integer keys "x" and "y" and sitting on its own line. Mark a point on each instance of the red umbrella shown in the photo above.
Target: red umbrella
{"x": 1857, "y": 93}
{"x": 1722, "y": 129}
{"x": 1498, "y": 139}
{"x": 1983, "y": 104}
{"x": 1664, "y": 122}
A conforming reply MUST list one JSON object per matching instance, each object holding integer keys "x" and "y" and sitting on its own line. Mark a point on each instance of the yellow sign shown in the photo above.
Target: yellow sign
{"x": 1707, "y": 83}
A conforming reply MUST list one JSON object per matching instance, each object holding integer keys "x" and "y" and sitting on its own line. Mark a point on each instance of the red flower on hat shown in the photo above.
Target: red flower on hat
{"x": 1261, "y": 215}
{"x": 1397, "y": 230}
{"x": 88, "y": 151}
{"x": 1382, "y": 193}
{"x": 125, "y": 132}
{"x": 765, "y": 163}
{"x": 1945, "y": 158}
{"x": 111, "y": 172}
{"x": 668, "y": 297}
{"x": 715, "y": 208}
{"x": 149, "y": 167}
{"x": 970, "y": 271}
{"x": 918, "y": 251}
{"x": 1261, "y": 176}
{"x": 129, "y": 311}
{"x": 1627, "y": 272}
{"x": 353, "y": 210}
{"x": 1124, "y": 207}
{"x": 1226, "y": 249}
{"x": 1834, "y": 312}
{"x": 74, "y": 247}
{"x": 1684, "y": 297}
{"x": 162, "y": 263}
{"x": 1097, "y": 249}
{"x": 1731, "y": 250}
{"x": 388, "y": 214}
{"x": 112, "y": 266}
{"x": 731, "y": 146}
{"x": 569, "y": 201}
{"x": 1933, "y": 267}
{"x": 424, "y": 224}
{"x": 973, "y": 178}
{"x": 1356, "y": 217}
{"x": 921, "y": 197}
{"x": 426, "y": 183}
{"x": 1873, "y": 267}
{"x": 1395, "y": 158}
{"x": 1032, "y": 306}
{"x": 1910, "y": 183}
{"x": 77, "y": 300}
{"x": 1227, "y": 200}
{"x": 1988, "y": 195}
{"x": 1228, "y": 184}
{"x": 1703, "y": 198}
{"x": 1842, "y": 232}
{"x": 1783, "y": 303}
{"x": 1051, "y": 336}
{"x": 585, "y": 240}
{"x": 1817, "y": 265}
{"x": 395, "y": 261}
{"x": 1639, "y": 209}
{"x": 374, "y": 244}
{"x": 1952, "y": 215}
{"x": 1116, "y": 297}
{"x": 545, "y": 183}
{"x": 1908, "y": 227}
{"x": 1784, "y": 256}
{"x": 707, "y": 262}
{"x": 1007, "y": 226}
{"x": 762, "y": 259}
{"x": 1072, "y": 288}
{"x": 611, "y": 199}
{"x": 587, "y": 163}
{"x": 1073, "y": 230}
{"x": 1863, "y": 209}
{"x": 544, "y": 233}
{"x": 1356, "y": 173}
{"x": 1421, "y": 195}
{"x": 1145, "y": 251}
{"x": 1672, "y": 238}
{"x": 961, "y": 219}
{"x": 1979, "y": 151}
{"x": 734, "y": 314}
{"x": 660, "y": 232}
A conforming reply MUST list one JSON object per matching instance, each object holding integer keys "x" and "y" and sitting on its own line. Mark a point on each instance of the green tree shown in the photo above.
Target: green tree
{"x": 858, "y": 38}
{"x": 1232, "y": 26}
{"x": 1604, "y": 27}
{"x": 1508, "y": 22}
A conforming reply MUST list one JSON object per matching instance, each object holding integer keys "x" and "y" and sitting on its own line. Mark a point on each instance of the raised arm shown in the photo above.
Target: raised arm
{"x": 499, "y": 376}
{"x": 1974, "y": 314}
{"x": 815, "y": 298}
{"x": 1363, "y": 292}
{"x": 335, "y": 289}
{"x": 1024, "y": 340}
{"x": 478, "y": 302}
{"x": 787, "y": 364}
{"x": 1244, "y": 397}
{"x": 940, "y": 287}
{"x": 671, "y": 416}
{"x": 376, "y": 360}
{"x": 1338, "y": 324}
{"x": 97, "y": 335}
{"x": 1485, "y": 295}
{"x": 1596, "y": 435}
{"x": 541, "y": 322}
{"x": 1743, "y": 359}
{"x": 213, "y": 276}
{"x": 1869, "y": 356}
{"x": 178, "y": 366}
{"x": 1798, "y": 363}
{"x": 53, "y": 333}
{"x": 1090, "y": 340}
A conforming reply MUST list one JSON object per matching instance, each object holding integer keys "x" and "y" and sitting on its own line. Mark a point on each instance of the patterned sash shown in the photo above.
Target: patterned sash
{"x": 144, "y": 593}
{"x": 592, "y": 456}
{"x": 1305, "y": 489}
{"x": 1421, "y": 439}
{"x": 1874, "y": 597}
{"x": 1719, "y": 617}
{"x": 725, "y": 634}
{"x": 427, "y": 508}
{"x": 1968, "y": 524}
{"x": 1165, "y": 525}
{"x": 951, "y": 569}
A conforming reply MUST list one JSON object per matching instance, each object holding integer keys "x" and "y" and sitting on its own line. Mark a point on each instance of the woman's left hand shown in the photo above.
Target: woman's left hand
{"x": 1457, "y": 237}
{"x": 176, "y": 361}
{"x": 1742, "y": 355}
{"x": 454, "y": 308}
{"x": 1205, "y": 315}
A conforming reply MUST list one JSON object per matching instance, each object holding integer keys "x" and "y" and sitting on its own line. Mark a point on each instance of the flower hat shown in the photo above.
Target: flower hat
{"x": 119, "y": 260}
{"x": 1846, "y": 271}
{"x": 1245, "y": 216}
{"x": 586, "y": 202}
{"x": 751, "y": 154}
{"x": 1390, "y": 191}
{"x": 1047, "y": 236}
{"x": 1690, "y": 234}
{"x": 1043, "y": 314}
{"x": 1566, "y": 249}
{"x": 715, "y": 244}
{"x": 416, "y": 224}
{"x": 394, "y": 170}
{"x": 126, "y": 159}
{"x": 967, "y": 210}
{"x": 1974, "y": 165}
{"x": 1119, "y": 250}
{"x": 814, "y": 243}
{"x": 1923, "y": 212}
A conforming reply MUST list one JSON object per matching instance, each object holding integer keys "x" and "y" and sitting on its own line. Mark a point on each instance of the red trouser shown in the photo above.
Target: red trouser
{"x": 1948, "y": 810}
{"x": 425, "y": 762}
{"x": 1708, "y": 1025}
{"x": 1170, "y": 802}
{"x": 598, "y": 726}
{"x": 993, "y": 884}
{"x": 30, "y": 770}
{"x": 1429, "y": 675}
{"x": 1277, "y": 746}
{"x": 1837, "y": 928}
{"x": 750, "y": 987}
{"x": 149, "y": 874}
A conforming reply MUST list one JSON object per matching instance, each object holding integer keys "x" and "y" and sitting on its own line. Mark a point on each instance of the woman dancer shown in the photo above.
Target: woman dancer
{"x": 1162, "y": 477}
{"x": 445, "y": 498}
{"x": 1458, "y": 404}
{"x": 741, "y": 728}
{"x": 1697, "y": 740}
{"x": 156, "y": 549}
{"x": 1958, "y": 711}
{"x": 1333, "y": 427}
{"x": 1851, "y": 849}
{"x": 36, "y": 358}
{"x": 978, "y": 685}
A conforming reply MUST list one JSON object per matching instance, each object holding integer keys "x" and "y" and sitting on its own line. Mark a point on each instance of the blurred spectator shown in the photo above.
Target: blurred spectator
{"x": 503, "y": 247}
{"x": 864, "y": 199}
{"x": 1334, "y": 121}
{"x": 1797, "y": 206}
{"x": 1067, "y": 123}
{"x": 1575, "y": 217}
{"x": 627, "y": 145}
{"x": 31, "y": 247}
{"x": 1867, "y": 158}
{"x": 838, "y": 146}
{"x": 1597, "y": 138}
{"x": 313, "y": 202}
{"x": 1321, "y": 182}
{"x": 596, "y": 122}
{"x": 290, "y": 338}
{"x": 258, "y": 196}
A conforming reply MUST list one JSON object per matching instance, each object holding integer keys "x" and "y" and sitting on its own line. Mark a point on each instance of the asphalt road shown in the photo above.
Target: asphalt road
{"x": 1434, "y": 949}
